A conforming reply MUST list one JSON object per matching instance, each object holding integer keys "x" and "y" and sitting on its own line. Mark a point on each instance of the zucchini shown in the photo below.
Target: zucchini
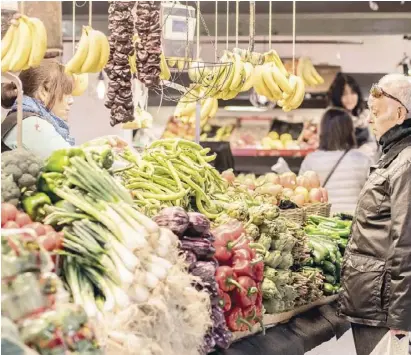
{"x": 342, "y": 232}
{"x": 328, "y": 289}
{"x": 317, "y": 257}
{"x": 330, "y": 279}
{"x": 309, "y": 262}
{"x": 337, "y": 288}
{"x": 321, "y": 251}
{"x": 329, "y": 268}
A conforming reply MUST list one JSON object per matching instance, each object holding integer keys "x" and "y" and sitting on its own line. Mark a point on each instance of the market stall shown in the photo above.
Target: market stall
{"x": 165, "y": 251}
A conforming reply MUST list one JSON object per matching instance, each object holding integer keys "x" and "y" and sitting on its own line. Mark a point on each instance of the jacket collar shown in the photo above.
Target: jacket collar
{"x": 394, "y": 142}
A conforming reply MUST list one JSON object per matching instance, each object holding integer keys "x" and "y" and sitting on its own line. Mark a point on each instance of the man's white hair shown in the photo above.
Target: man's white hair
{"x": 399, "y": 86}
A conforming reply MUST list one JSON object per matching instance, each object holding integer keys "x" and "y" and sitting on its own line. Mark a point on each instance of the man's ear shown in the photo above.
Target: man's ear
{"x": 401, "y": 115}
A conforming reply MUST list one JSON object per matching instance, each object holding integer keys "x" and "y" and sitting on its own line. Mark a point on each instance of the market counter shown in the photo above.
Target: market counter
{"x": 296, "y": 337}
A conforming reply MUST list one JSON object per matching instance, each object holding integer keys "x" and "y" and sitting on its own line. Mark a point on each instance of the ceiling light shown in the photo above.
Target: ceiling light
{"x": 374, "y": 6}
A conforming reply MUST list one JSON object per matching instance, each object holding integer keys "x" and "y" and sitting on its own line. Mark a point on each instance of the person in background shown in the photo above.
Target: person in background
{"x": 376, "y": 271}
{"x": 341, "y": 167}
{"x": 46, "y": 105}
{"x": 345, "y": 93}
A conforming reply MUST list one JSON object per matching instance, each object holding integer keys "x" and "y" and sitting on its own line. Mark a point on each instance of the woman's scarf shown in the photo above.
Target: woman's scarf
{"x": 35, "y": 106}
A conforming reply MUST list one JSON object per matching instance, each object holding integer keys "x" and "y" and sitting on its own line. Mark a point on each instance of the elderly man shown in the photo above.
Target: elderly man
{"x": 376, "y": 273}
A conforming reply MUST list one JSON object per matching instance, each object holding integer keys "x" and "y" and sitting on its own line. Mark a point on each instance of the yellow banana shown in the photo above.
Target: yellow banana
{"x": 39, "y": 46}
{"x": 93, "y": 56}
{"x": 8, "y": 39}
{"x": 171, "y": 61}
{"x": 74, "y": 64}
{"x": 269, "y": 81}
{"x": 214, "y": 109}
{"x": 316, "y": 76}
{"x": 272, "y": 56}
{"x": 197, "y": 71}
{"x": 249, "y": 79}
{"x": 226, "y": 79}
{"x": 22, "y": 52}
{"x": 259, "y": 85}
{"x": 206, "y": 107}
{"x": 104, "y": 53}
{"x": 80, "y": 84}
{"x": 280, "y": 79}
{"x": 5, "y": 63}
{"x": 184, "y": 109}
{"x": 181, "y": 63}
{"x": 297, "y": 98}
{"x": 164, "y": 70}
{"x": 300, "y": 67}
{"x": 238, "y": 72}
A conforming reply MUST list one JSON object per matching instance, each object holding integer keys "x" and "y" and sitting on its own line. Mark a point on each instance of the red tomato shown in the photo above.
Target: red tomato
{"x": 8, "y": 213}
{"x": 37, "y": 227}
{"x": 22, "y": 219}
{"x": 11, "y": 225}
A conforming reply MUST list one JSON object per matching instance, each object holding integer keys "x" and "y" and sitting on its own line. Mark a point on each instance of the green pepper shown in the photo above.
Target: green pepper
{"x": 328, "y": 289}
{"x": 34, "y": 205}
{"x": 341, "y": 232}
{"x": 60, "y": 159}
{"x": 48, "y": 182}
{"x": 331, "y": 222}
{"x": 313, "y": 230}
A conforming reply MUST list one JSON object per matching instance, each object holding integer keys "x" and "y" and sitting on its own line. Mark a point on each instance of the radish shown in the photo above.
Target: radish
{"x": 8, "y": 212}
{"x": 315, "y": 195}
{"x": 228, "y": 175}
{"x": 37, "y": 227}
{"x": 22, "y": 219}
{"x": 324, "y": 194}
{"x": 11, "y": 225}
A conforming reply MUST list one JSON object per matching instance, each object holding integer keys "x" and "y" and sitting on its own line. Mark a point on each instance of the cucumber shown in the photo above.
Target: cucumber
{"x": 309, "y": 262}
{"x": 329, "y": 268}
{"x": 328, "y": 289}
{"x": 337, "y": 288}
{"x": 330, "y": 279}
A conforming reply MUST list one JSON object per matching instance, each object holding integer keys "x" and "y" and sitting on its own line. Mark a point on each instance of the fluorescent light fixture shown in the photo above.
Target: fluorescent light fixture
{"x": 245, "y": 108}
{"x": 101, "y": 87}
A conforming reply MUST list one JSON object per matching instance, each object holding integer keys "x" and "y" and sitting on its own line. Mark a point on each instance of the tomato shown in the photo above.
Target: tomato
{"x": 8, "y": 213}
{"x": 11, "y": 225}
{"x": 22, "y": 219}
{"x": 37, "y": 227}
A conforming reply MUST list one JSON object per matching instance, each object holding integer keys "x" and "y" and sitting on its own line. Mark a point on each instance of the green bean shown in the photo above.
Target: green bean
{"x": 165, "y": 197}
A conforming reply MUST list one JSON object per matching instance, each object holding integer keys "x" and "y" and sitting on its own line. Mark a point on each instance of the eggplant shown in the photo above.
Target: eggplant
{"x": 204, "y": 269}
{"x": 198, "y": 224}
{"x": 174, "y": 218}
{"x": 190, "y": 257}
{"x": 202, "y": 248}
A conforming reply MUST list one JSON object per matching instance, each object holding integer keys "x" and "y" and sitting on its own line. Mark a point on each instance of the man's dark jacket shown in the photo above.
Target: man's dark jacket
{"x": 376, "y": 272}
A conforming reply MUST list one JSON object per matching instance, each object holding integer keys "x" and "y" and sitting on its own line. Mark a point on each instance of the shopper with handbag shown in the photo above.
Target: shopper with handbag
{"x": 376, "y": 272}
{"x": 341, "y": 167}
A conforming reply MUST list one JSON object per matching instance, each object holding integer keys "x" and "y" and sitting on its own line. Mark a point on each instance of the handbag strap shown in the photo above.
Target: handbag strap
{"x": 335, "y": 167}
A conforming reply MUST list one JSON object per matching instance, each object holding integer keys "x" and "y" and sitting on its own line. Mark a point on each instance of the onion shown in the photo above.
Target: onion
{"x": 269, "y": 189}
{"x": 273, "y": 178}
{"x": 298, "y": 199}
{"x": 304, "y": 182}
{"x": 315, "y": 195}
{"x": 288, "y": 180}
{"x": 288, "y": 193}
{"x": 228, "y": 175}
{"x": 313, "y": 179}
{"x": 250, "y": 184}
{"x": 299, "y": 190}
{"x": 324, "y": 193}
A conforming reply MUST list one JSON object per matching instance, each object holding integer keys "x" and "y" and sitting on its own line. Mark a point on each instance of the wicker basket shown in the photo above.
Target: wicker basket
{"x": 317, "y": 209}
{"x": 296, "y": 215}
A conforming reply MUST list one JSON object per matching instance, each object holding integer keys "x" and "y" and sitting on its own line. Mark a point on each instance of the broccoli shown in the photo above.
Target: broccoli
{"x": 238, "y": 210}
{"x": 252, "y": 231}
{"x": 10, "y": 192}
{"x": 287, "y": 261}
{"x": 285, "y": 242}
{"x": 279, "y": 277}
{"x": 269, "y": 227}
{"x": 23, "y": 166}
{"x": 274, "y": 306}
{"x": 270, "y": 273}
{"x": 265, "y": 240}
{"x": 269, "y": 289}
{"x": 273, "y": 258}
{"x": 263, "y": 212}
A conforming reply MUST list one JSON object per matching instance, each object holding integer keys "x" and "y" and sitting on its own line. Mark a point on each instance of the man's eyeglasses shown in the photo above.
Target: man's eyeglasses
{"x": 377, "y": 92}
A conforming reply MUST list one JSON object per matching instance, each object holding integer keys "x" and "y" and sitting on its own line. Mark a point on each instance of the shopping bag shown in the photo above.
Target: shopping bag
{"x": 391, "y": 345}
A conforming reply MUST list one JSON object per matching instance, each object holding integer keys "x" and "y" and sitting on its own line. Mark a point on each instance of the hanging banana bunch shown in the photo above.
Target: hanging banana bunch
{"x": 307, "y": 71}
{"x": 24, "y": 44}
{"x": 92, "y": 53}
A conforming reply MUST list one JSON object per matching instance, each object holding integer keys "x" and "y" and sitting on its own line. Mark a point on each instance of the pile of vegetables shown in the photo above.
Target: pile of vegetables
{"x": 285, "y": 190}
{"x": 196, "y": 240}
{"x": 118, "y": 263}
{"x": 239, "y": 275}
{"x": 173, "y": 172}
{"x": 328, "y": 238}
{"x": 19, "y": 172}
{"x": 34, "y": 298}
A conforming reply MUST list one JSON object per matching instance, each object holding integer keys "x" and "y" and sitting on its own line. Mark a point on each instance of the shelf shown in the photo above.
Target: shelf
{"x": 256, "y": 152}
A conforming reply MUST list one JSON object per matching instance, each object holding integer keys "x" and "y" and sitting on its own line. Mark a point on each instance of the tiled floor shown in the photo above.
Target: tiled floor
{"x": 343, "y": 346}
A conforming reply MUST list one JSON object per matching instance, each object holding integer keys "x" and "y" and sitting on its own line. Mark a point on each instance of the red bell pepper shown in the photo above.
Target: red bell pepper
{"x": 226, "y": 237}
{"x": 236, "y": 322}
{"x": 258, "y": 271}
{"x": 225, "y": 301}
{"x": 247, "y": 295}
{"x": 226, "y": 279}
{"x": 244, "y": 267}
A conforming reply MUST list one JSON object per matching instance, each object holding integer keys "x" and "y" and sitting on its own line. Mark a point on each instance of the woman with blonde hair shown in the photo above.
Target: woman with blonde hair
{"x": 47, "y": 100}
